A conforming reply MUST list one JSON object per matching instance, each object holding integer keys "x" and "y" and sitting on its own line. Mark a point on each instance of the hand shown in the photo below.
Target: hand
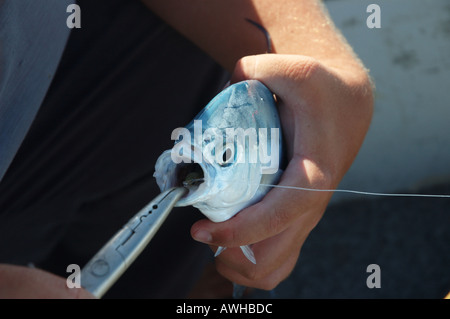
{"x": 18, "y": 282}
{"x": 325, "y": 113}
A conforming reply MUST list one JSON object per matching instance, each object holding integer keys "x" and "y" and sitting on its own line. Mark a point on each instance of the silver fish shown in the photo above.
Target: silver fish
{"x": 223, "y": 155}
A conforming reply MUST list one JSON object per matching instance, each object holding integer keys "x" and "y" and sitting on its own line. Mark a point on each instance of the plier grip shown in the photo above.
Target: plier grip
{"x": 103, "y": 270}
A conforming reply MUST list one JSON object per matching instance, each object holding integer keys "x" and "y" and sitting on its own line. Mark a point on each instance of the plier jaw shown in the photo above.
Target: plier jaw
{"x": 103, "y": 270}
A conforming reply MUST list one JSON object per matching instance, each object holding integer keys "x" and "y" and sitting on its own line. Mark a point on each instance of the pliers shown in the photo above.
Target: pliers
{"x": 111, "y": 261}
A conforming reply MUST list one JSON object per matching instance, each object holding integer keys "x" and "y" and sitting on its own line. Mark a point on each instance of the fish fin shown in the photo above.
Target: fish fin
{"x": 219, "y": 250}
{"x": 248, "y": 252}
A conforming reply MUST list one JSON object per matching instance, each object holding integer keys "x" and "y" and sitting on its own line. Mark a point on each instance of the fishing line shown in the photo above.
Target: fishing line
{"x": 359, "y": 192}
{"x": 238, "y": 290}
{"x": 195, "y": 181}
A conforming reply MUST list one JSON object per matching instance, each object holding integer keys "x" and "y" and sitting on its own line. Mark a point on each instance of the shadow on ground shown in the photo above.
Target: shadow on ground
{"x": 409, "y": 238}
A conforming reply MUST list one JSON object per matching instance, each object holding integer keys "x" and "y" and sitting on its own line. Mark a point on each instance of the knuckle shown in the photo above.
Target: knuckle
{"x": 304, "y": 69}
{"x": 257, "y": 275}
{"x": 310, "y": 68}
{"x": 262, "y": 279}
{"x": 230, "y": 236}
{"x": 269, "y": 284}
{"x": 277, "y": 220}
{"x": 272, "y": 279}
{"x": 244, "y": 68}
{"x": 227, "y": 238}
{"x": 251, "y": 274}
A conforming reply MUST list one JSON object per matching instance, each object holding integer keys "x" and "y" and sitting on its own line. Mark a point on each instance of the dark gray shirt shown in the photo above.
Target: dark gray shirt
{"x": 33, "y": 35}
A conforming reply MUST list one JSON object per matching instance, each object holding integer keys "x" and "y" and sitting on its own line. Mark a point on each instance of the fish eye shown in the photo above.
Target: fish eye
{"x": 227, "y": 157}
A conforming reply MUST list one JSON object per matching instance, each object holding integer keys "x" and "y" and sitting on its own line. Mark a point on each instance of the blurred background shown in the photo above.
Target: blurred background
{"x": 407, "y": 149}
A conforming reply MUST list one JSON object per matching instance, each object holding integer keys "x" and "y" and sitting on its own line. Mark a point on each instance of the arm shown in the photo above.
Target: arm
{"x": 31, "y": 283}
{"x": 325, "y": 104}
{"x": 296, "y": 27}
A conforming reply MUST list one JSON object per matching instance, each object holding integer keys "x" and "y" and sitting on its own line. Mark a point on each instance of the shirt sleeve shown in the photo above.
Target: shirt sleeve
{"x": 33, "y": 35}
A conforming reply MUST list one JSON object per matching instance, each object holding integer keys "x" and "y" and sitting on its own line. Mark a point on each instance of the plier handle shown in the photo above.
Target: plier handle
{"x": 111, "y": 261}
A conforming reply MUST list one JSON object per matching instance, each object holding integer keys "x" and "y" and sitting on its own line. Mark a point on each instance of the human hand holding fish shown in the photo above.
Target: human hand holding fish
{"x": 325, "y": 113}
{"x": 317, "y": 106}
{"x": 325, "y": 104}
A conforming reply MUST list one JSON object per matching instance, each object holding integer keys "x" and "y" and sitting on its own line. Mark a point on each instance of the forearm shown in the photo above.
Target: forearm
{"x": 220, "y": 29}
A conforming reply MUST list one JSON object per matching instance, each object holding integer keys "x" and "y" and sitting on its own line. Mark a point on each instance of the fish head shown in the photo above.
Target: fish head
{"x": 217, "y": 156}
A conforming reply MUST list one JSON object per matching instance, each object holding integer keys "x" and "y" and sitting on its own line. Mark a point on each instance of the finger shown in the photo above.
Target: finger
{"x": 276, "y": 258}
{"x": 282, "y": 74}
{"x": 31, "y": 283}
{"x": 270, "y": 254}
{"x": 279, "y": 209}
{"x": 54, "y": 286}
{"x": 305, "y": 89}
{"x": 308, "y": 90}
{"x": 268, "y": 282}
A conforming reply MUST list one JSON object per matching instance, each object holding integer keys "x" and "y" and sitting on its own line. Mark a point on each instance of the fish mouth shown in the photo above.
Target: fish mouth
{"x": 192, "y": 176}
{"x": 189, "y": 175}
{"x": 184, "y": 172}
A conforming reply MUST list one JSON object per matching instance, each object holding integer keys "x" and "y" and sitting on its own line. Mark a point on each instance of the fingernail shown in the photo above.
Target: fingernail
{"x": 203, "y": 236}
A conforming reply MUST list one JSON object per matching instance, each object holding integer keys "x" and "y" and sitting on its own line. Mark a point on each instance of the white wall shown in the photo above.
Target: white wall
{"x": 408, "y": 144}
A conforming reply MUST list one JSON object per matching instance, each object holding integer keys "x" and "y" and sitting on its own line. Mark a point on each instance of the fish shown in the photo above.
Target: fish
{"x": 223, "y": 155}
